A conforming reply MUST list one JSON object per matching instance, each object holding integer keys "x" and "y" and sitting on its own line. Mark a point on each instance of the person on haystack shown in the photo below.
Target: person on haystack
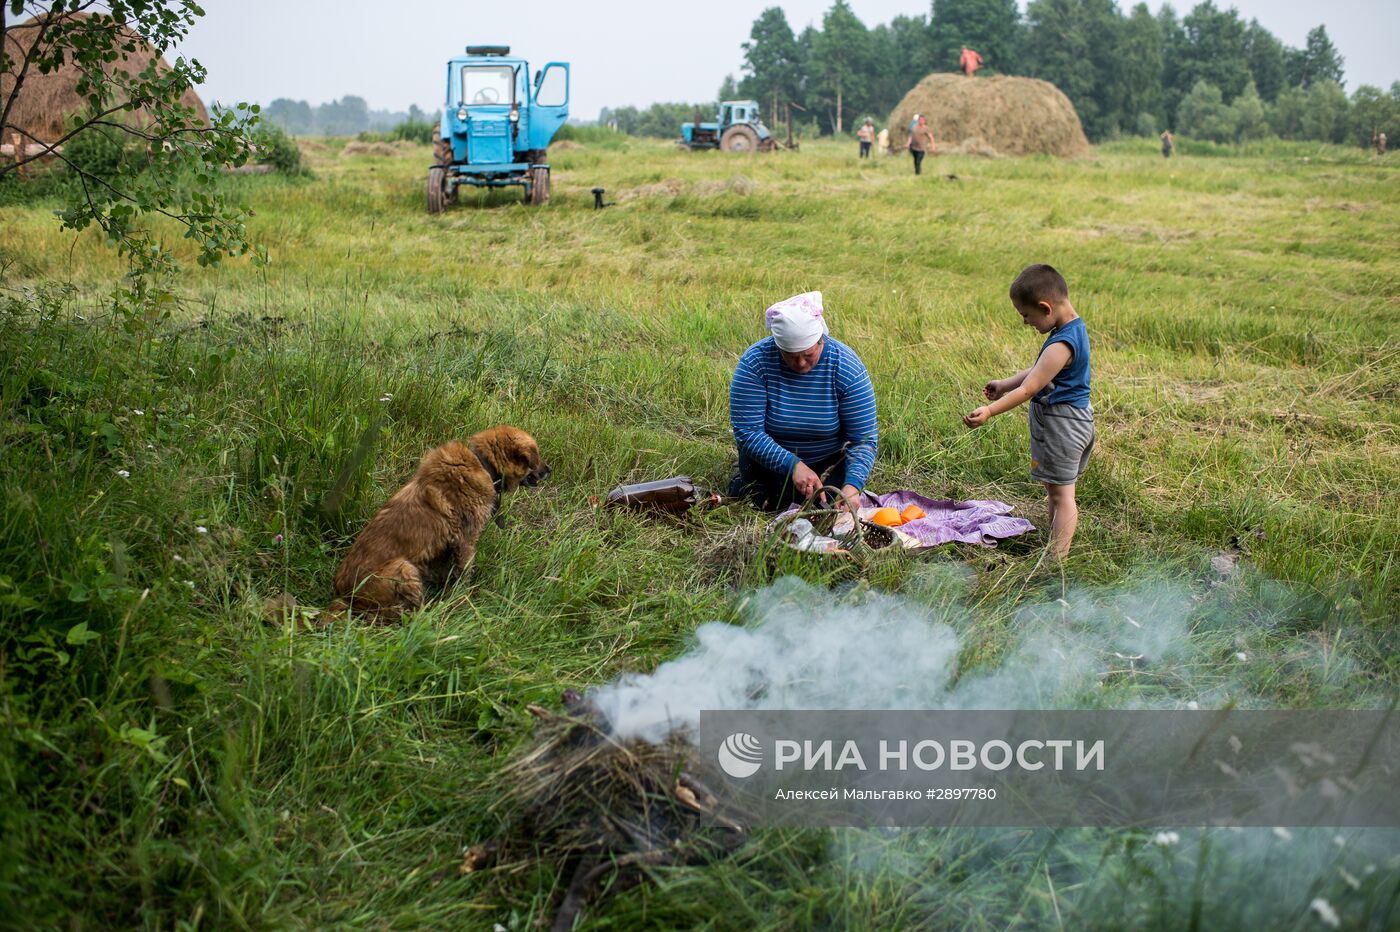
{"x": 969, "y": 61}
{"x": 802, "y": 410}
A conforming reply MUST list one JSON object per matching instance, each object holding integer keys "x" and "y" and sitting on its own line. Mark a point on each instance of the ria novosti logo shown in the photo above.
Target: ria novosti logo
{"x": 740, "y": 755}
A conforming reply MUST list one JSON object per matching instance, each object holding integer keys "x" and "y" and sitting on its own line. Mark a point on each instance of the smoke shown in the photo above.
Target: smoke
{"x": 1201, "y": 639}
{"x": 1154, "y": 643}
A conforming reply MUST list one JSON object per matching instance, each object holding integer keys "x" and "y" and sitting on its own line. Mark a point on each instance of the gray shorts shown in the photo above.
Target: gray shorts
{"x": 1062, "y": 436}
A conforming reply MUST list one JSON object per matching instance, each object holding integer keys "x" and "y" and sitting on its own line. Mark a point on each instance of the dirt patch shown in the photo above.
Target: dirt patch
{"x": 1001, "y": 115}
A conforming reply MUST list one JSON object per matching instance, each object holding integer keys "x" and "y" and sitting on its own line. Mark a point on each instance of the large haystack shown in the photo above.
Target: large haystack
{"x": 1013, "y": 116}
{"x": 44, "y": 100}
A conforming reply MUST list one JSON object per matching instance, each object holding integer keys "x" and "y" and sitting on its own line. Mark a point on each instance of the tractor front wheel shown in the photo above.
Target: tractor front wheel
{"x": 539, "y": 186}
{"x": 438, "y": 198}
{"x": 739, "y": 139}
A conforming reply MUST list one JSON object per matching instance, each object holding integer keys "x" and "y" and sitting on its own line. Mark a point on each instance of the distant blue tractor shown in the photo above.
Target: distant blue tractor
{"x": 738, "y": 127}
{"x": 496, "y": 125}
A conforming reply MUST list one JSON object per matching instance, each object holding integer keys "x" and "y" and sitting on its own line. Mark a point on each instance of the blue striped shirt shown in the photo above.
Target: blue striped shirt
{"x": 780, "y": 417}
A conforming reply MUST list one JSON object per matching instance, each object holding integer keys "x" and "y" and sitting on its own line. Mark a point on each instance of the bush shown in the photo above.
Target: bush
{"x": 1204, "y": 115}
{"x": 101, "y": 153}
{"x": 420, "y": 131}
{"x": 1147, "y": 125}
{"x": 279, "y": 150}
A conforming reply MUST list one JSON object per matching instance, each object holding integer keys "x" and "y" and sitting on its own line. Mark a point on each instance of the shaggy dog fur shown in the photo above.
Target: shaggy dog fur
{"x": 426, "y": 534}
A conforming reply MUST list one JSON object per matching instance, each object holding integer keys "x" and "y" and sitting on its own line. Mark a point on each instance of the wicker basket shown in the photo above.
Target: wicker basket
{"x": 871, "y": 536}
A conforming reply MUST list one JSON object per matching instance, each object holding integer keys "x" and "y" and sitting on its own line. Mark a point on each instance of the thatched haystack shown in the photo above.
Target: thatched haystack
{"x": 44, "y": 100}
{"x": 1002, "y": 115}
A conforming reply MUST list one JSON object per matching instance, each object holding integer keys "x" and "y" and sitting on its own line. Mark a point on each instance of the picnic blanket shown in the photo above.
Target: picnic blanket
{"x": 971, "y": 522}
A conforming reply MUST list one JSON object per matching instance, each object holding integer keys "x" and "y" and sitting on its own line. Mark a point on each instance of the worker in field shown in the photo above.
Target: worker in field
{"x": 883, "y": 141}
{"x": 921, "y": 143}
{"x": 1380, "y": 144}
{"x": 803, "y": 411}
{"x": 866, "y": 135}
{"x": 1167, "y": 143}
{"x": 969, "y": 61}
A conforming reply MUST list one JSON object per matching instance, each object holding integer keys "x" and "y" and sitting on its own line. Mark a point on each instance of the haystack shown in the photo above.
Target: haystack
{"x": 44, "y": 100}
{"x": 1010, "y": 116}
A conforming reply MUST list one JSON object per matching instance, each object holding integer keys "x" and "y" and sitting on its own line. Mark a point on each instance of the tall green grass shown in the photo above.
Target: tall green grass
{"x": 168, "y": 758}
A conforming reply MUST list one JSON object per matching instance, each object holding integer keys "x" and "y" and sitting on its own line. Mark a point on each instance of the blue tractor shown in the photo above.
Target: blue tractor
{"x": 738, "y": 127}
{"x": 496, "y": 125}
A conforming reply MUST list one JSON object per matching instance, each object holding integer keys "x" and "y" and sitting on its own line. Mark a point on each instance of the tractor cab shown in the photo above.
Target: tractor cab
{"x": 498, "y": 120}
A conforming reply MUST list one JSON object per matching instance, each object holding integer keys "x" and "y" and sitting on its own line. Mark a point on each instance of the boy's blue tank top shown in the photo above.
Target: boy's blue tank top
{"x": 1071, "y": 385}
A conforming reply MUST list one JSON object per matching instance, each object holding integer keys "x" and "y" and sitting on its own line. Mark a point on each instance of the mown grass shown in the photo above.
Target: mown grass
{"x": 170, "y": 759}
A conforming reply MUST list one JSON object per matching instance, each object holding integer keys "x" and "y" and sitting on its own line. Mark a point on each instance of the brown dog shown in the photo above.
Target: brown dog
{"x": 426, "y": 534}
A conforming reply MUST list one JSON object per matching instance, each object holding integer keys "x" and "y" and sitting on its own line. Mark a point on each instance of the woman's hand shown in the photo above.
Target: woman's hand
{"x": 850, "y": 499}
{"x": 993, "y": 390}
{"x": 804, "y": 480}
{"x": 979, "y": 417}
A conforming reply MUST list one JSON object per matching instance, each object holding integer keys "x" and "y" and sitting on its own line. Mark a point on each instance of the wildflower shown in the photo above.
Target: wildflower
{"x": 150, "y": 446}
{"x": 277, "y": 539}
{"x": 190, "y": 583}
{"x": 1282, "y": 834}
{"x": 1325, "y": 913}
{"x": 124, "y": 473}
{"x": 1241, "y": 656}
{"x": 387, "y": 396}
{"x": 138, "y": 412}
{"x": 1165, "y": 839}
{"x": 201, "y": 529}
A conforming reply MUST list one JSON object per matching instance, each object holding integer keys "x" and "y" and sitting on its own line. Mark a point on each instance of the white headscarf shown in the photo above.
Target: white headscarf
{"x": 797, "y": 322}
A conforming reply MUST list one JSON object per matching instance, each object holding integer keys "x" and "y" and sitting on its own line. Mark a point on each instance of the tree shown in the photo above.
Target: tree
{"x": 1173, "y": 42}
{"x": 841, "y": 58}
{"x": 1319, "y": 60}
{"x": 1247, "y": 113}
{"x": 170, "y": 160}
{"x": 989, "y": 26}
{"x": 1204, "y": 115}
{"x": 1374, "y": 111}
{"x": 772, "y": 62}
{"x": 1140, "y": 69}
{"x": 1058, "y": 31}
{"x": 1326, "y": 117}
{"x": 1265, "y": 56}
{"x": 1286, "y": 115}
{"x": 1214, "y": 50}
{"x": 294, "y": 116}
{"x": 728, "y": 88}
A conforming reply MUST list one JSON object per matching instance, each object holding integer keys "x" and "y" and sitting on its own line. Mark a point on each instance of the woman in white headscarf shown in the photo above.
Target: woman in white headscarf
{"x": 802, "y": 409}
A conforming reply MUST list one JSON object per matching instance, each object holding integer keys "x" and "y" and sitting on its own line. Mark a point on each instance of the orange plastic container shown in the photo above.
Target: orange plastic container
{"x": 911, "y": 513}
{"x": 887, "y": 517}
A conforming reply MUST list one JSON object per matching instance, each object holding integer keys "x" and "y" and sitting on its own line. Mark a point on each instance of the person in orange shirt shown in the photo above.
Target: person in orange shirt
{"x": 969, "y": 61}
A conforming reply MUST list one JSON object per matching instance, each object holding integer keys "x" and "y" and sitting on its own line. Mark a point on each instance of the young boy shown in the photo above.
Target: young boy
{"x": 1057, "y": 386}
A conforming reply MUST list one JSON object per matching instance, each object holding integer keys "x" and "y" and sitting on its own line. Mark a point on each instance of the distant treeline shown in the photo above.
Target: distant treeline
{"x": 344, "y": 117}
{"x": 1207, "y": 74}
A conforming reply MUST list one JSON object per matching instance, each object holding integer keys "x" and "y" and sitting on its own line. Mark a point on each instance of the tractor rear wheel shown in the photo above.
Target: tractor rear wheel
{"x": 539, "y": 186}
{"x": 438, "y": 198}
{"x": 442, "y": 149}
{"x": 739, "y": 139}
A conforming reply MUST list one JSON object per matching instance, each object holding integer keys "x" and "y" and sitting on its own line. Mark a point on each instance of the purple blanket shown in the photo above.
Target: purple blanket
{"x": 972, "y": 522}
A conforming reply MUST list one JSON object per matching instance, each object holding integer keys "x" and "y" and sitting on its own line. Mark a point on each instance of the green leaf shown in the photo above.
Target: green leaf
{"x": 79, "y": 634}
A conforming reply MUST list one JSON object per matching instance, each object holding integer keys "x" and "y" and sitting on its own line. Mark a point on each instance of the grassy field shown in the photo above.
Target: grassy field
{"x": 171, "y": 760}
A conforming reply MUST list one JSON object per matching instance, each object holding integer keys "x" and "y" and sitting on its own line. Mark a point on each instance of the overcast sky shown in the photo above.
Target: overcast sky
{"x": 622, "y": 51}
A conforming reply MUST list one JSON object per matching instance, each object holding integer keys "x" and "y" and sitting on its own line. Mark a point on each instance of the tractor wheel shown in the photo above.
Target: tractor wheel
{"x": 438, "y": 198}
{"x": 539, "y": 187}
{"x": 442, "y": 149}
{"x": 739, "y": 139}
